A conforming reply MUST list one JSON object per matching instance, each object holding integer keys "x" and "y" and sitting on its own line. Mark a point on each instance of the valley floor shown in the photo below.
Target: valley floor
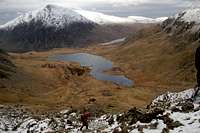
{"x": 49, "y": 85}
{"x": 43, "y": 85}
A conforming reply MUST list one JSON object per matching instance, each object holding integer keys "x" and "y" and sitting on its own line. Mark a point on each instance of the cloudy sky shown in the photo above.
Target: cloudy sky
{"x": 10, "y": 9}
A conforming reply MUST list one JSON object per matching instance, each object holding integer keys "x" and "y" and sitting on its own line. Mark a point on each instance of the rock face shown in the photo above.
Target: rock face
{"x": 49, "y": 27}
{"x": 185, "y": 24}
{"x": 187, "y": 106}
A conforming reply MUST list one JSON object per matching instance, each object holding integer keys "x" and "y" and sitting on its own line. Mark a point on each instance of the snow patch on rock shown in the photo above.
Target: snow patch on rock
{"x": 189, "y": 120}
{"x": 190, "y": 15}
{"x": 171, "y": 98}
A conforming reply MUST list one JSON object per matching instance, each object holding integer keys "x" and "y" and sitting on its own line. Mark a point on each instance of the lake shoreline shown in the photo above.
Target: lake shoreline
{"x": 98, "y": 67}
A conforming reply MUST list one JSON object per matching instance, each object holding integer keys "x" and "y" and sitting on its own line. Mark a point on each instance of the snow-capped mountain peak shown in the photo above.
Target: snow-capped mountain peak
{"x": 50, "y": 15}
{"x": 58, "y": 16}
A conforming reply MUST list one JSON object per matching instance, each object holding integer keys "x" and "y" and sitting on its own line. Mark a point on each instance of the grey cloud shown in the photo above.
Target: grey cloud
{"x": 148, "y": 10}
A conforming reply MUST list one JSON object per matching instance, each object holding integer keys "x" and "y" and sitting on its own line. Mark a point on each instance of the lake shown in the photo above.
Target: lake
{"x": 97, "y": 64}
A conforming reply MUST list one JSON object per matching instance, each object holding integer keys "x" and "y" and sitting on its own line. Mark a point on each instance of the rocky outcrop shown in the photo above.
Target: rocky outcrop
{"x": 169, "y": 99}
{"x": 68, "y": 69}
{"x": 187, "y": 106}
{"x": 35, "y": 36}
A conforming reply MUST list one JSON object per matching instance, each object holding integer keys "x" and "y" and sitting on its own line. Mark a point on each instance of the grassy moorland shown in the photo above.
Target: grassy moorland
{"x": 156, "y": 62}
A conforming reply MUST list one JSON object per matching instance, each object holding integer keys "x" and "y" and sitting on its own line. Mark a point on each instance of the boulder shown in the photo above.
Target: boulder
{"x": 175, "y": 109}
{"x": 165, "y": 130}
{"x": 111, "y": 120}
{"x": 69, "y": 122}
{"x": 187, "y": 106}
{"x": 153, "y": 125}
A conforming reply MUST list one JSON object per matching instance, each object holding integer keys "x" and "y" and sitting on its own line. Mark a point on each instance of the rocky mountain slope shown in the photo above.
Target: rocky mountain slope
{"x": 49, "y": 27}
{"x": 185, "y": 24}
{"x": 170, "y": 112}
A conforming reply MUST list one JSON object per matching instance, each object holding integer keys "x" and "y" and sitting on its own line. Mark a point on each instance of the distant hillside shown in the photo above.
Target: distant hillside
{"x": 160, "y": 56}
{"x": 104, "y": 19}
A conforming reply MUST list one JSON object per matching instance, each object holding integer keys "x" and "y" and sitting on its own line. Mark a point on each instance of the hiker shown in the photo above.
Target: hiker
{"x": 197, "y": 65}
{"x": 85, "y": 118}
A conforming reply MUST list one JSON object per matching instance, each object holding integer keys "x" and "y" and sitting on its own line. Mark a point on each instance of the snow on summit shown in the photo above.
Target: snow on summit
{"x": 58, "y": 16}
{"x": 50, "y": 15}
{"x": 101, "y": 18}
{"x": 190, "y": 15}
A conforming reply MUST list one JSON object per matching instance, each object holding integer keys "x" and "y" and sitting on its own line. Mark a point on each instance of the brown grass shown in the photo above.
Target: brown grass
{"x": 152, "y": 59}
{"x": 45, "y": 89}
{"x": 155, "y": 60}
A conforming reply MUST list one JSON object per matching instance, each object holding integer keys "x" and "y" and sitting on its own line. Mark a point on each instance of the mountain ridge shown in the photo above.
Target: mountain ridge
{"x": 101, "y": 18}
{"x": 56, "y": 27}
{"x": 184, "y": 24}
{"x": 56, "y": 18}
